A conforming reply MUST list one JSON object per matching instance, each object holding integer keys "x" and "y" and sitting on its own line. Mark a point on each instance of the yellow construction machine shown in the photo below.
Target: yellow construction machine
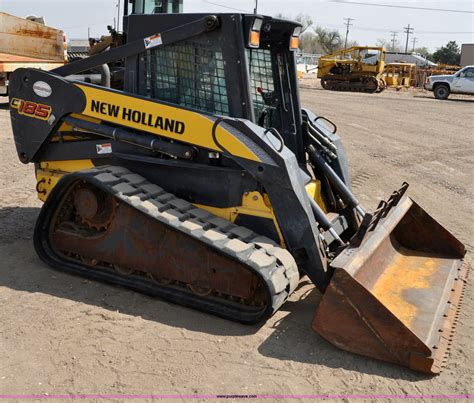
{"x": 349, "y": 69}
{"x": 202, "y": 181}
{"x": 400, "y": 75}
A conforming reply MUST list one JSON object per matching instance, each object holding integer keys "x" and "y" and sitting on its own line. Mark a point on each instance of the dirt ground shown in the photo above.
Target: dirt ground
{"x": 63, "y": 334}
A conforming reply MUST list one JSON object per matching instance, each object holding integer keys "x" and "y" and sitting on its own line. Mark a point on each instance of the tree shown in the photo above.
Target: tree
{"x": 305, "y": 20}
{"x": 329, "y": 40}
{"x": 449, "y": 54}
{"x": 351, "y": 44}
{"x": 315, "y": 40}
{"x": 309, "y": 43}
{"x": 388, "y": 45}
{"x": 424, "y": 51}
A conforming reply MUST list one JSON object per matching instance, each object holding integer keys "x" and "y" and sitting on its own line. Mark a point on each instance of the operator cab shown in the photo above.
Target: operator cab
{"x": 244, "y": 69}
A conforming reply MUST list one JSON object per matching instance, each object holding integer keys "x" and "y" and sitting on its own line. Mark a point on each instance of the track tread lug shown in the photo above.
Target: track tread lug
{"x": 221, "y": 223}
{"x": 164, "y": 198}
{"x": 171, "y": 217}
{"x": 238, "y": 248}
{"x": 133, "y": 179}
{"x": 265, "y": 243}
{"x": 200, "y": 214}
{"x": 278, "y": 280}
{"x": 192, "y": 226}
{"x": 261, "y": 259}
{"x": 242, "y": 232}
{"x": 151, "y": 189}
{"x": 214, "y": 236}
{"x": 125, "y": 189}
{"x": 152, "y": 206}
{"x": 181, "y": 204}
{"x": 116, "y": 170}
{"x": 106, "y": 177}
{"x": 137, "y": 199}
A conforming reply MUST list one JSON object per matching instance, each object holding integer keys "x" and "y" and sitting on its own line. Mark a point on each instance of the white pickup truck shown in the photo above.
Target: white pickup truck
{"x": 460, "y": 83}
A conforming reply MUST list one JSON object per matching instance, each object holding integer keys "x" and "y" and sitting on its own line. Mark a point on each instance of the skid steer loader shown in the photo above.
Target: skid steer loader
{"x": 203, "y": 182}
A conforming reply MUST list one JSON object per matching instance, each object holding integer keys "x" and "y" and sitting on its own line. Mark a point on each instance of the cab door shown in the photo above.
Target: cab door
{"x": 464, "y": 81}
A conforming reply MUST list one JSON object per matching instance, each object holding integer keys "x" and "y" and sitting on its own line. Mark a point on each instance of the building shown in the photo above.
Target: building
{"x": 467, "y": 54}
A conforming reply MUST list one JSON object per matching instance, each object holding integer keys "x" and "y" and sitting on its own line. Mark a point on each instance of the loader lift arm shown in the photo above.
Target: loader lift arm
{"x": 168, "y": 37}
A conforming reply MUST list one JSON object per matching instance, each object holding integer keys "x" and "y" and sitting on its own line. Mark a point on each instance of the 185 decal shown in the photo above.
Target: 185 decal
{"x": 31, "y": 109}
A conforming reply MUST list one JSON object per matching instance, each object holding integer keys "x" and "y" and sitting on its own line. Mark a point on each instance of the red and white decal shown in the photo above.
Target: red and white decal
{"x": 104, "y": 148}
{"x": 31, "y": 109}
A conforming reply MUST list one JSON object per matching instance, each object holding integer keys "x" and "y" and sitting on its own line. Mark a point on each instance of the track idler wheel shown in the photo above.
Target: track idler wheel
{"x": 201, "y": 291}
{"x": 94, "y": 207}
{"x": 124, "y": 271}
{"x": 371, "y": 84}
{"x": 326, "y": 83}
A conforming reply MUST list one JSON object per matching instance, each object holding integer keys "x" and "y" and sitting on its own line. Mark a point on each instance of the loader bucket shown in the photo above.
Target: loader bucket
{"x": 396, "y": 296}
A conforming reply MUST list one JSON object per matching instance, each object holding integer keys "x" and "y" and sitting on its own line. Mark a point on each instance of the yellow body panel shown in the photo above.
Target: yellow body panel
{"x": 313, "y": 188}
{"x": 258, "y": 205}
{"x": 50, "y": 172}
{"x": 253, "y": 204}
{"x": 400, "y": 74}
{"x": 196, "y": 128}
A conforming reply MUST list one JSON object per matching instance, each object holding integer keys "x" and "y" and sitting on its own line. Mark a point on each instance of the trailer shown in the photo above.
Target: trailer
{"x": 27, "y": 43}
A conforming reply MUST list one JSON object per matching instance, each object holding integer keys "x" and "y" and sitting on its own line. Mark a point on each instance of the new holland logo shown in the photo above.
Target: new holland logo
{"x": 31, "y": 109}
{"x": 140, "y": 117}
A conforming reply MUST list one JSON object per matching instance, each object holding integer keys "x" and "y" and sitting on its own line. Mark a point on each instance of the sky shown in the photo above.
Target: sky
{"x": 432, "y": 29}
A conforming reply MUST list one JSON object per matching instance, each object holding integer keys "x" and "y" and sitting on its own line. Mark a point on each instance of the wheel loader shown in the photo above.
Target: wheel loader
{"x": 202, "y": 181}
{"x": 348, "y": 70}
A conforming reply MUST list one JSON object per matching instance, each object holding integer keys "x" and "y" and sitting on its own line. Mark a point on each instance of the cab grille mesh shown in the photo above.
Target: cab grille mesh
{"x": 188, "y": 74}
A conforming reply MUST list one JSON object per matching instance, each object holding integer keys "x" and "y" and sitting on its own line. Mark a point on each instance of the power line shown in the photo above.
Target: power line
{"x": 371, "y": 29}
{"x": 408, "y": 31}
{"x": 229, "y": 8}
{"x": 348, "y": 24}
{"x": 357, "y": 28}
{"x": 446, "y": 10}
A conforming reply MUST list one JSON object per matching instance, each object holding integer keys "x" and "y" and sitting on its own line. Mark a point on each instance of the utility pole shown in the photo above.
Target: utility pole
{"x": 414, "y": 41}
{"x": 394, "y": 38}
{"x": 408, "y": 31}
{"x": 88, "y": 32}
{"x": 118, "y": 15}
{"x": 255, "y": 10}
{"x": 348, "y": 24}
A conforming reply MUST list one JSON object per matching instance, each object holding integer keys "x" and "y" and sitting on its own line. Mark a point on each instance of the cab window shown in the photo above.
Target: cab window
{"x": 469, "y": 73}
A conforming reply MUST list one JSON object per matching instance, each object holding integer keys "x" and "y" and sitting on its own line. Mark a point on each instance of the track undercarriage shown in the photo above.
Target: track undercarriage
{"x": 113, "y": 225}
{"x": 366, "y": 83}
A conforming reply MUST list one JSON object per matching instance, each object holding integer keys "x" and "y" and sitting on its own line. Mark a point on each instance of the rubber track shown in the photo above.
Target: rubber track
{"x": 261, "y": 255}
